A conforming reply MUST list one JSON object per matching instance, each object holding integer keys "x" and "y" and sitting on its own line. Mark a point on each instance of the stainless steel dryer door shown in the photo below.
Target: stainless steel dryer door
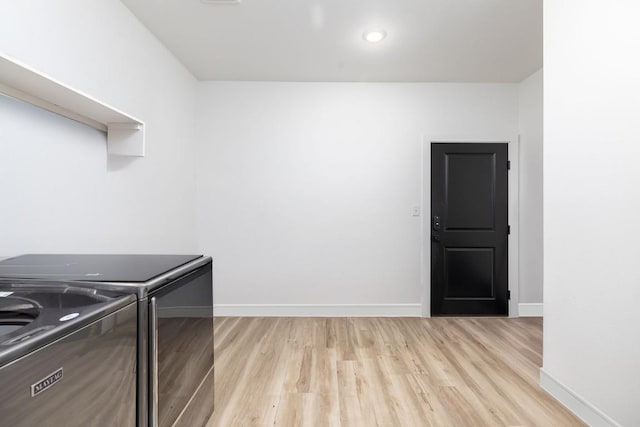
{"x": 181, "y": 350}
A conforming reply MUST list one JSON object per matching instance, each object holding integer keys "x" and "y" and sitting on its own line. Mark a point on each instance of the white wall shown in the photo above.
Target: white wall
{"x": 592, "y": 206}
{"x": 305, "y": 189}
{"x": 59, "y": 190}
{"x": 530, "y": 127}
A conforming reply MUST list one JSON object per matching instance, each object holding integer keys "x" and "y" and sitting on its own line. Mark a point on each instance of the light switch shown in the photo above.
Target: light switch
{"x": 415, "y": 211}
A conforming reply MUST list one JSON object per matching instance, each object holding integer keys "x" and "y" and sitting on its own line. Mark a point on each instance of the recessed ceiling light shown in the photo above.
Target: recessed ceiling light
{"x": 374, "y": 36}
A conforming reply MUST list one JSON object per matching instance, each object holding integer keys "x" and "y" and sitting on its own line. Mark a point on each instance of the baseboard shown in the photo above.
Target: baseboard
{"x": 195, "y": 311}
{"x": 530, "y": 309}
{"x": 576, "y": 404}
{"x": 317, "y": 310}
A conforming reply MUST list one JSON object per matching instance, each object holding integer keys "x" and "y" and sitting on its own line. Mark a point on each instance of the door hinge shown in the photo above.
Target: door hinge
{"x": 508, "y": 295}
{"x": 508, "y": 164}
{"x": 508, "y": 229}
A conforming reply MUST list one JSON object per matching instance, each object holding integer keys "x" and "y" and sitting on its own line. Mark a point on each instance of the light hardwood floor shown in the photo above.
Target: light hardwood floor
{"x": 381, "y": 372}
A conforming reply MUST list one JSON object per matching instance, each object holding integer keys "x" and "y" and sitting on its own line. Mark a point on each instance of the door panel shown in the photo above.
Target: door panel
{"x": 469, "y": 209}
{"x": 469, "y": 272}
{"x": 470, "y": 182}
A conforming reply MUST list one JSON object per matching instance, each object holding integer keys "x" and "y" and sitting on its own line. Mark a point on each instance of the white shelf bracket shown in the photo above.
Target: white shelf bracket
{"x": 125, "y": 139}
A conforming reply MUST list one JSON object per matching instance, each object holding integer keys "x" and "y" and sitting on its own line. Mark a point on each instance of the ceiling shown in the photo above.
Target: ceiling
{"x": 322, "y": 40}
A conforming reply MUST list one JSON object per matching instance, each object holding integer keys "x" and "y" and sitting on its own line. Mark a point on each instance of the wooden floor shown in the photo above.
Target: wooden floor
{"x": 381, "y": 372}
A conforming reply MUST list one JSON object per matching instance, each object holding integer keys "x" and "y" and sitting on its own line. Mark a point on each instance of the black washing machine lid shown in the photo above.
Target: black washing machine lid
{"x": 94, "y": 268}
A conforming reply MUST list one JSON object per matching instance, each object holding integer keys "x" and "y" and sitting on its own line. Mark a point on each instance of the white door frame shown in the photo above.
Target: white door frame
{"x": 425, "y": 230}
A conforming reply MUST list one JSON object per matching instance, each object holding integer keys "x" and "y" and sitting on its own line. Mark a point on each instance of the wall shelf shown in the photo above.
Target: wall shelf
{"x": 125, "y": 134}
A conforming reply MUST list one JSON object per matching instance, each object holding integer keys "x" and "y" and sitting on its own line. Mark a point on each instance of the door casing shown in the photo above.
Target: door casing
{"x": 425, "y": 229}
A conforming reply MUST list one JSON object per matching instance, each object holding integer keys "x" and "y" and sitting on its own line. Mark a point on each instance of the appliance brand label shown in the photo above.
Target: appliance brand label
{"x": 46, "y": 382}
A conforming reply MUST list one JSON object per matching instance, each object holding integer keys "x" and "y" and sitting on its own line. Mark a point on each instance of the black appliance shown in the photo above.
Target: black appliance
{"x": 67, "y": 356}
{"x": 175, "y": 323}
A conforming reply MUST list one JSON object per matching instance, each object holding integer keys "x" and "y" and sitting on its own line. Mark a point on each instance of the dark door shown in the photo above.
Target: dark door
{"x": 469, "y": 229}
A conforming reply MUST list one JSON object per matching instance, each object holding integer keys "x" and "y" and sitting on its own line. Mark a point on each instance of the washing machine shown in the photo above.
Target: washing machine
{"x": 175, "y": 351}
{"x": 67, "y": 356}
